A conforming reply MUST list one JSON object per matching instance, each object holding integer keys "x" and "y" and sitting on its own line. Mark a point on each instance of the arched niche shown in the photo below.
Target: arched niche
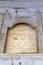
{"x": 21, "y": 38}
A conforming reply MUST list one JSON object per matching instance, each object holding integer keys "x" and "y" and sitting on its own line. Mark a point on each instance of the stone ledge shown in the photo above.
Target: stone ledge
{"x": 23, "y": 5}
{"x": 15, "y": 59}
{"x": 9, "y": 56}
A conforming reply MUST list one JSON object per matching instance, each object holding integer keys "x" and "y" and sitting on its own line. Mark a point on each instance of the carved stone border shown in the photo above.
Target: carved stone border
{"x": 10, "y": 19}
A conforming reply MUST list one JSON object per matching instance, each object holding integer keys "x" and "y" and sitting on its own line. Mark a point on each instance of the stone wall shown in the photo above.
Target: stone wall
{"x": 10, "y": 15}
{"x": 32, "y": 59}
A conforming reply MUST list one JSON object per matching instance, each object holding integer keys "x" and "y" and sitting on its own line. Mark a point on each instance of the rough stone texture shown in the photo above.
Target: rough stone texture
{"x": 20, "y": 13}
{"x": 12, "y": 4}
{"x": 39, "y": 29}
{"x": 21, "y": 39}
{"x": 32, "y": 17}
{"x": 32, "y": 59}
{"x": 5, "y": 62}
{"x": 1, "y": 17}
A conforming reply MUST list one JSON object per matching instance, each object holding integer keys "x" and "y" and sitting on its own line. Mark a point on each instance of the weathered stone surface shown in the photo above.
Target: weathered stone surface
{"x": 5, "y": 62}
{"x": 21, "y": 39}
{"x": 32, "y": 59}
{"x": 12, "y": 4}
{"x": 37, "y": 62}
{"x": 1, "y": 19}
{"x": 16, "y": 61}
{"x": 39, "y": 29}
{"x": 12, "y": 13}
{"x": 11, "y": 18}
{"x": 25, "y": 61}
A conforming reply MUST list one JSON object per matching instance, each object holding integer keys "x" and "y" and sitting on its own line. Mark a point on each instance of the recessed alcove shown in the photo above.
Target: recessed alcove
{"x": 21, "y": 39}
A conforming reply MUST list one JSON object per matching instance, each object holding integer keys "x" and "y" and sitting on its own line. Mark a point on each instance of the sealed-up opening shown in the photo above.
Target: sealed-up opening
{"x": 21, "y": 39}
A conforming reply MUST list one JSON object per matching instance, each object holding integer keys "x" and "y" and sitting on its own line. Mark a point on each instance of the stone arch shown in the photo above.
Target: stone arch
{"x": 20, "y": 22}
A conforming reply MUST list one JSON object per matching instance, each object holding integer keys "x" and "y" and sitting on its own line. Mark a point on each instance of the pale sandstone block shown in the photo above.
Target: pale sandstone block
{"x": 21, "y": 39}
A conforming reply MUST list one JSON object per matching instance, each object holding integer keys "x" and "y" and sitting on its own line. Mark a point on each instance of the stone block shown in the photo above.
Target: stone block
{"x": 26, "y": 61}
{"x": 16, "y": 62}
{"x": 5, "y": 62}
{"x": 38, "y": 63}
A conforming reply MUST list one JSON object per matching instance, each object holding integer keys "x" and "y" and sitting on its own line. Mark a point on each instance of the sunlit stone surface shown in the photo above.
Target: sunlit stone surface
{"x": 21, "y": 39}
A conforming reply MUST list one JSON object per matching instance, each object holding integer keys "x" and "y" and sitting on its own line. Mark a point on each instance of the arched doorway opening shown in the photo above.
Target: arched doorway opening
{"x": 21, "y": 39}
